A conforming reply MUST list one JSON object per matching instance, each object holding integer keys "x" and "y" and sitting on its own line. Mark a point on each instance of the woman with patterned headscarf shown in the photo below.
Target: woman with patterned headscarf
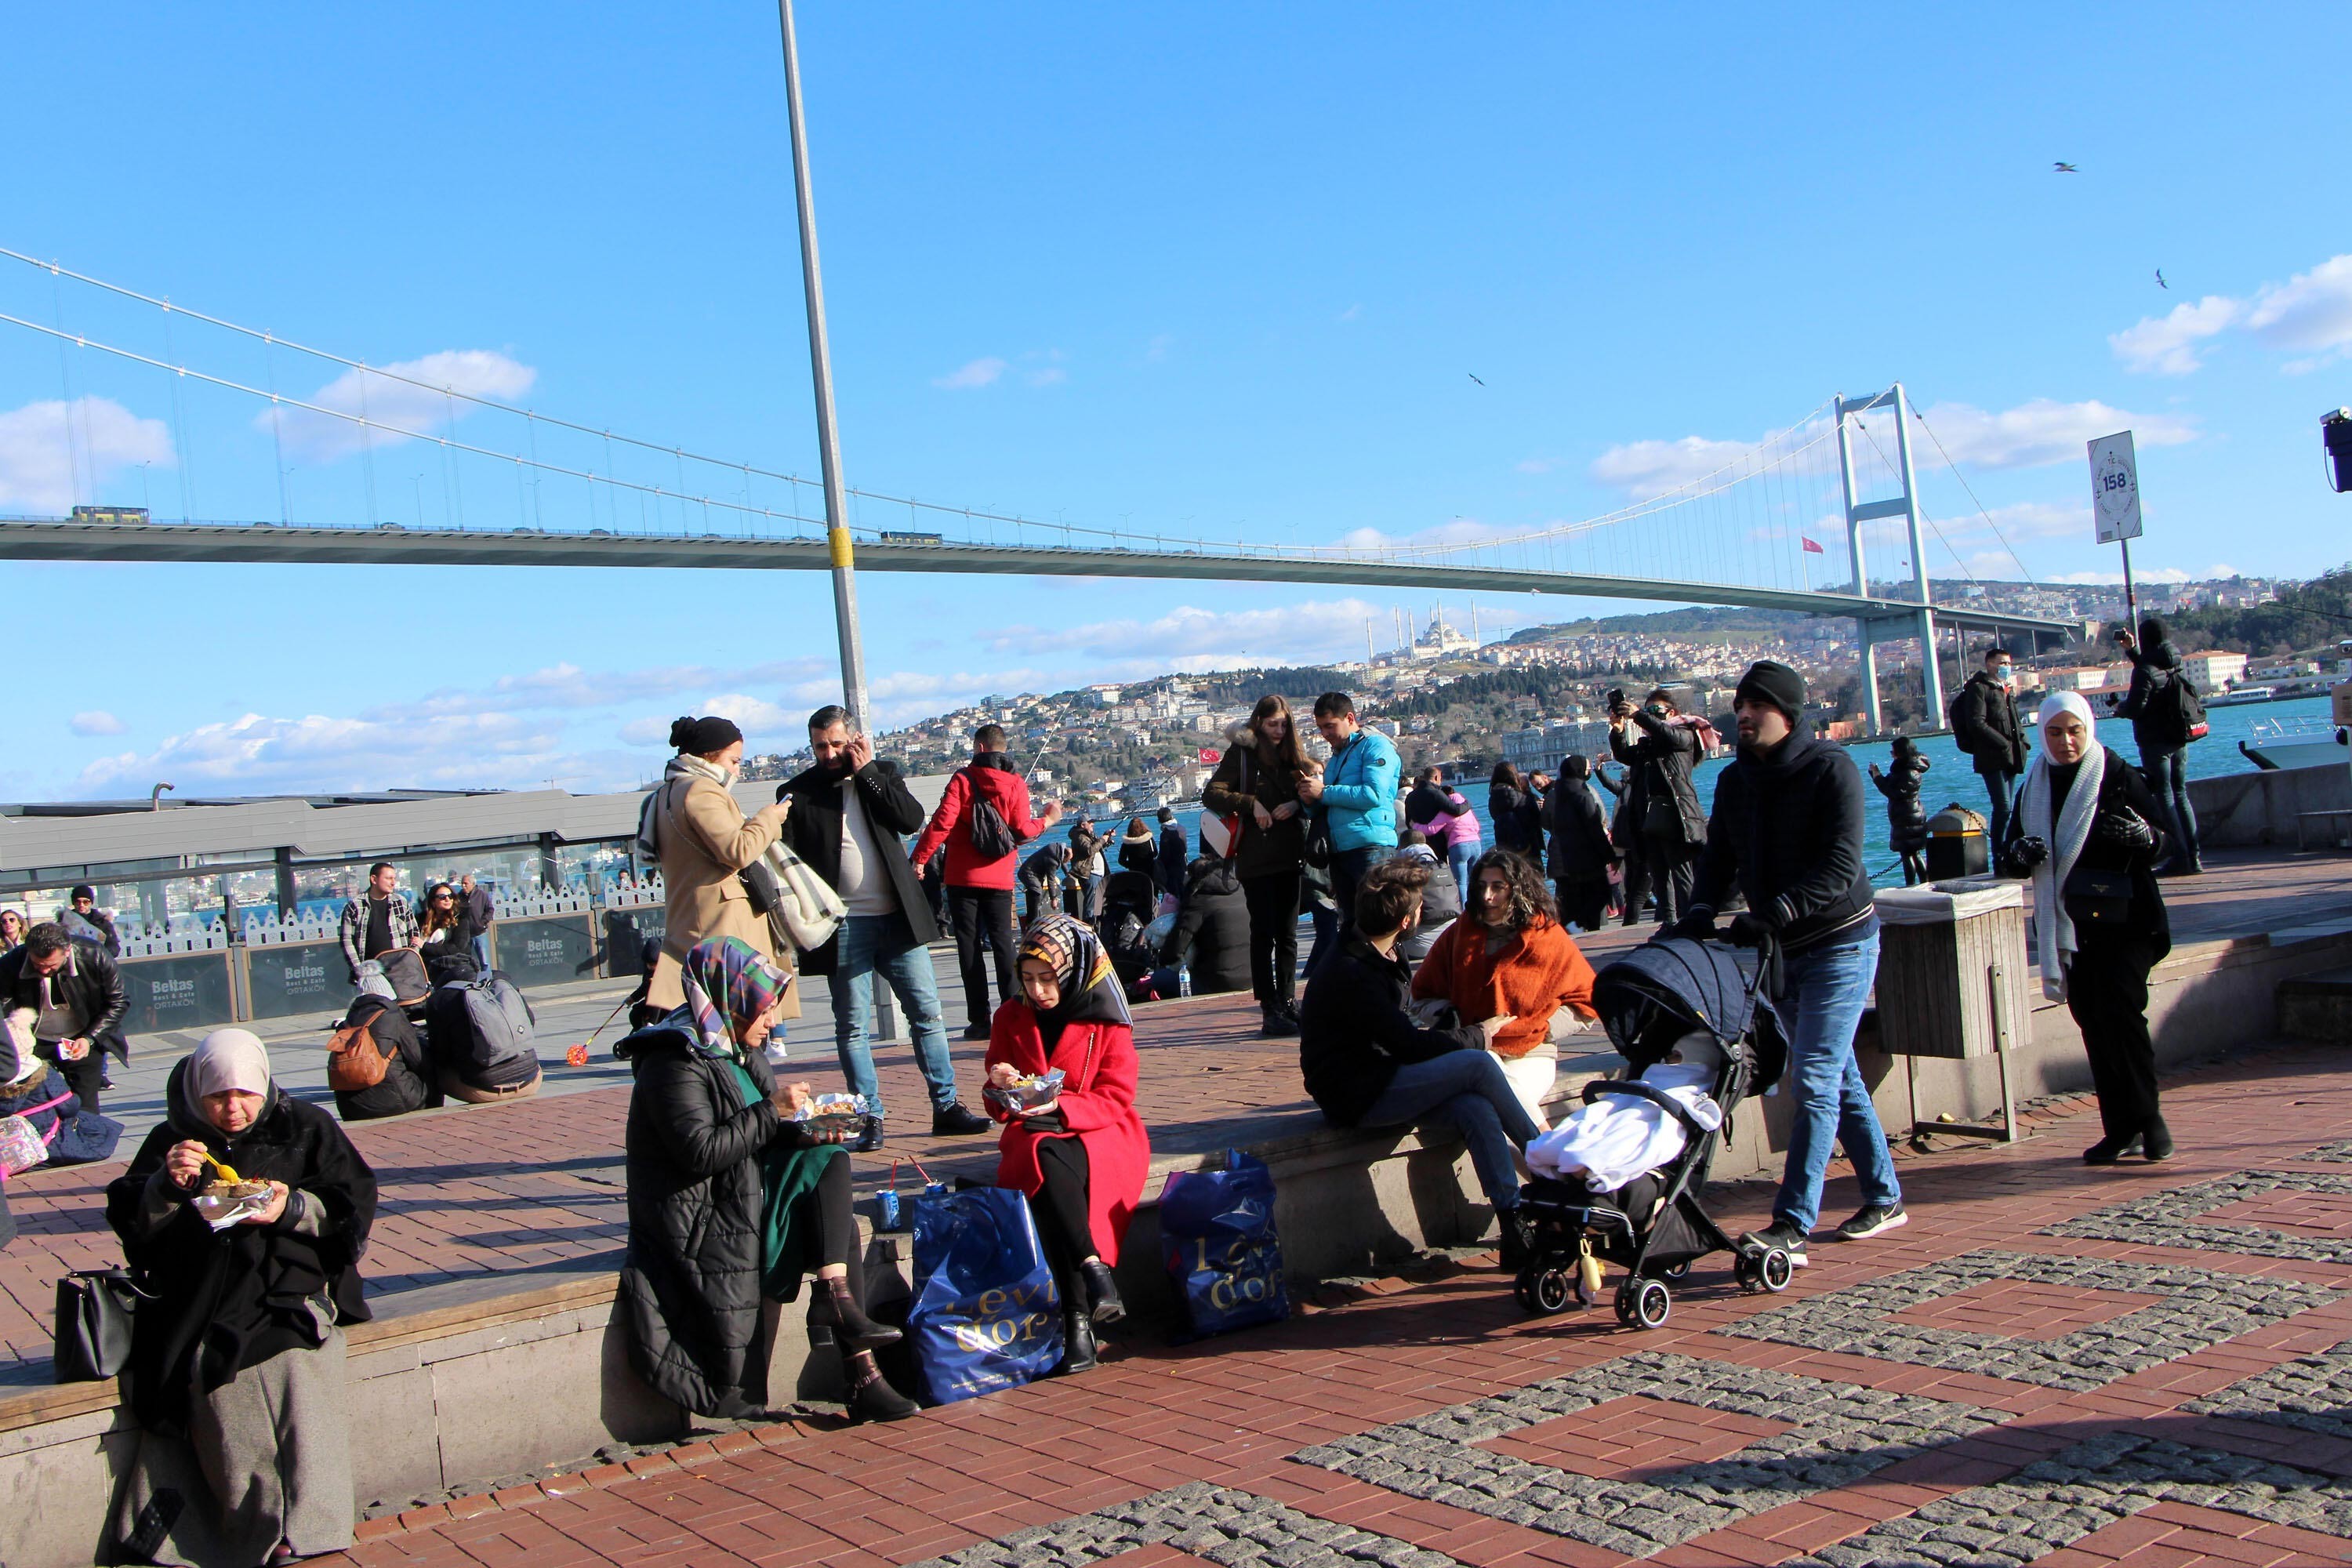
{"x": 732, "y": 1201}
{"x": 1081, "y": 1156}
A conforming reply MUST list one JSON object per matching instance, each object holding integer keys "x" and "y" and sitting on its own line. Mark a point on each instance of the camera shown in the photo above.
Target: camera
{"x": 1616, "y": 698}
{"x": 2336, "y": 432}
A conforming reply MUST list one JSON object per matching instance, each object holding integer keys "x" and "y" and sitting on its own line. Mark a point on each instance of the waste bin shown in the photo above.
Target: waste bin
{"x": 1957, "y": 844}
{"x": 1952, "y": 980}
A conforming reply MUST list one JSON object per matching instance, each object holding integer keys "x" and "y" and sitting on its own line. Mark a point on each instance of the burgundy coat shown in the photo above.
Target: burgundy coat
{"x": 1099, "y": 1068}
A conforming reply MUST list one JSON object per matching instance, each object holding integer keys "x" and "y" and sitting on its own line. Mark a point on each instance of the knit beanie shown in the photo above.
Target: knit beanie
{"x": 700, "y": 737}
{"x": 1768, "y": 681}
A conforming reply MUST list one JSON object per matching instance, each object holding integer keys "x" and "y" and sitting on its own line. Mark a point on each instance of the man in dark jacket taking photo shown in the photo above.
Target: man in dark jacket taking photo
{"x": 1787, "y": 831}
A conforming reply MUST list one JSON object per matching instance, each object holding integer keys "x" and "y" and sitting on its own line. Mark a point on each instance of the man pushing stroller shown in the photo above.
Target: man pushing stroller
{"x": 1786, "y": 829}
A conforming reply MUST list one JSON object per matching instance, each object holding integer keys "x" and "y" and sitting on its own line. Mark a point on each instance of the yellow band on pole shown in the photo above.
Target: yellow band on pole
{"x": 837, "y": 541}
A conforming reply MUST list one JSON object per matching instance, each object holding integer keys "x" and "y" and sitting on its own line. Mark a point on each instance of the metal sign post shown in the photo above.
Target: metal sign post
{"x": 2115, "y": 506}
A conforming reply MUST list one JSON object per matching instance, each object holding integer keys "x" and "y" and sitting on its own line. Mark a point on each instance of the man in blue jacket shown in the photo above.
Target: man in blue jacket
{"x": 1787, "y": 832}
{"x": 1357, "y": 794}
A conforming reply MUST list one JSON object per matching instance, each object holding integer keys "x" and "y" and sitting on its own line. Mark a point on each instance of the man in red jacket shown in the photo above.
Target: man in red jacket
{"x": 979, "y": 889}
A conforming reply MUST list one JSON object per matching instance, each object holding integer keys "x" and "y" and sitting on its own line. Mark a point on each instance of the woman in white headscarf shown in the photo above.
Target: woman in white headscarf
{"x": 2084, "y": 831}
{"x": 237, "y": 1362}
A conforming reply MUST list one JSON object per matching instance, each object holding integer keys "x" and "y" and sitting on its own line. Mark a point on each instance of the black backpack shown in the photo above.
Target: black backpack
{"x": 2177, "y": 712}
{"x": 991, "y": 836}
{"x": 1960, "y": 736}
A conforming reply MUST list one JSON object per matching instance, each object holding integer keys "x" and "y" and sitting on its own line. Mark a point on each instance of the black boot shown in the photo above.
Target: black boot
{"x": 1078, "y": 1344}
{"x": 852, "y": 1328}
{"x": 1103, "y": 1304}
{"x": 2110, "y": 1148}
{"x": 2157, "y": 1142}
{"x": 1278, "y": 1023}
{"x": 871, "y": 1397}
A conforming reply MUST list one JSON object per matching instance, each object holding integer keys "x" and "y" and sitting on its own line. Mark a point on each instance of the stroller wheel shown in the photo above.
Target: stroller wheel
{"x": 1743, "y": 1274}
{"x": 1546, "y": 1290}
{"x": 1625, "y": 1304}
{"x": 1651, "y": 1304}
{"x": 1773, "y": 1270}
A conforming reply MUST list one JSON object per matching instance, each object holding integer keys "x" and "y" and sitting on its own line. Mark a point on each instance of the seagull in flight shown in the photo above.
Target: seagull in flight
{"x": 2159, "y": 278}
{"x": 2064, "y": 169}
{"x": 1473, "y": 375}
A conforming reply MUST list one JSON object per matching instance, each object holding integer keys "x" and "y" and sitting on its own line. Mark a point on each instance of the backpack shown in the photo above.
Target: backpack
{"x": 355, "y": 1061}
{"x": 1961, "y": 737}
{"x": 647, "y": 843}
{"x": 2177, "y": 712}
{"x": 480, "y": 1023}
{"x": 405, "y": 968}
{"x": 992, "y": 838}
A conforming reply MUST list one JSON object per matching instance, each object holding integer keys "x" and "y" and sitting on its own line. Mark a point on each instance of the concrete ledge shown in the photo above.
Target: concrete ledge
{"x": 458, "y": 1384}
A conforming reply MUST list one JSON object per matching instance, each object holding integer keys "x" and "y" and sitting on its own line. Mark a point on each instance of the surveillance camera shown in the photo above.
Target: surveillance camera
{"x": 2335, "y": 431}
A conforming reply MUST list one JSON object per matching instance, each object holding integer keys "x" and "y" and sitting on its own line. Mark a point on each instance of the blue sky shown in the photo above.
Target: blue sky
{"x": 1181, "y": 270}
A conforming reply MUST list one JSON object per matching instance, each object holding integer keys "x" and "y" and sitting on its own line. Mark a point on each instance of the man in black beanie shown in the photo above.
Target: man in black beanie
{"x": 1786, "y": 829}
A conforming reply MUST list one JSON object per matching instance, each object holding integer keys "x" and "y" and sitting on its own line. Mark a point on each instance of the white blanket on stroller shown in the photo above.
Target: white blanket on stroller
{"x": 1618, "y": 1137}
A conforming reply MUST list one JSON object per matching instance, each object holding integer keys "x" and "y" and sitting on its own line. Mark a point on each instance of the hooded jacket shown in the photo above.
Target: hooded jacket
{"x": 1658, "y": 767}
{"x": 1906, "y": 818}
{"x": 225, "y": 1300}
{"x": 1212, "y": 933}
{"x": 1360, "y": 792}
{"x": 2154, "y": 667}
{"x": 988, "y": 776}
{"x": 1787, "y": 831}
{"x": 691, "y": 1282}
{"x": 814, "y": 832}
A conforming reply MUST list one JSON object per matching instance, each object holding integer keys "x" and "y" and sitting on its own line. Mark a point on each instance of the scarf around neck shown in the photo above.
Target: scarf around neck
{"x": 686, "y": 765}
{"x": 729, "y": 985}
{"x": 2054, "y": 933}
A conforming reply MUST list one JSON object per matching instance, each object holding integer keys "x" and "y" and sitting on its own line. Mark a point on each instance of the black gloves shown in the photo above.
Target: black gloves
{"x": 2124, "y": 828}
{"x": 2024, "y": 854}
{"x": 1748, "y": 930}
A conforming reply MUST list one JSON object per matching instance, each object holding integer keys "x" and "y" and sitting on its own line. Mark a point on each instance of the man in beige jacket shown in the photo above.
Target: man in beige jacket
{"x": 706, "y": 841}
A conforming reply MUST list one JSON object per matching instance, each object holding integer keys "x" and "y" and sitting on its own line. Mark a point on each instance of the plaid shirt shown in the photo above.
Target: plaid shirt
{"x": 403, "y": 924}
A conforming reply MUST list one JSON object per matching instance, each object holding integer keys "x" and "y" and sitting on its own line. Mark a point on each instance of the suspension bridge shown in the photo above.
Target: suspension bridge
{"x": 1707, "y": 523}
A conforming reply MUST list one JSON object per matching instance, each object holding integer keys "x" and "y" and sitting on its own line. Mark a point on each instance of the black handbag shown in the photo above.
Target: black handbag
{"x": 763, "y": 887}
{"x": 95, "y": 1309}
{"x": 1318, "y": 850}
{"x": 2097, "y": 898}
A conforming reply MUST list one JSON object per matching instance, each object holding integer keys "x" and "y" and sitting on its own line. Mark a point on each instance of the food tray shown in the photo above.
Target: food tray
{"x": 832, "y": 1113}
{"x": 1023, "y": 1093}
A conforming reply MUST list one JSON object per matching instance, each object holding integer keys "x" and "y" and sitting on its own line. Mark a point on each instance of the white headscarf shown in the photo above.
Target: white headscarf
{"x": 2054, "y": 933}
{"x": 226, "y": 1059}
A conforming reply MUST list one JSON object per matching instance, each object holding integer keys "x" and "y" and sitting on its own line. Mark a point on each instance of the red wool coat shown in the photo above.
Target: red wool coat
{"x": 1099, "y": 1069}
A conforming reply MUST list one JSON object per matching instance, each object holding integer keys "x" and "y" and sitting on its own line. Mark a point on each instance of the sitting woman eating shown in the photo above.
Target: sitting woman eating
{"x": 246, "y": 1211}
{"x": 1081, "y": 1156}
{"x": 1509, "y": 955}
{"x": 731, "y": 1202}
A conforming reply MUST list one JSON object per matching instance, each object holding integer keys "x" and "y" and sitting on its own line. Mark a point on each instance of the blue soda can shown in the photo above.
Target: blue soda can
{"x": 888, "y": 1200}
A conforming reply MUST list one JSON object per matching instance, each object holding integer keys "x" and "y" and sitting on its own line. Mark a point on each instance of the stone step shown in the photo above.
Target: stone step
{"x": 2317, "y": 1006}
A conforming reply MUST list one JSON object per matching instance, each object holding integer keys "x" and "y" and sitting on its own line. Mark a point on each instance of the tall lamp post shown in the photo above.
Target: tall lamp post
{"x": 836, "y": 519}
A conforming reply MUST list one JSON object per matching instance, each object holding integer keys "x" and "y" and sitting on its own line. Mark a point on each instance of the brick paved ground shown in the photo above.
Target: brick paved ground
{"x": 2050, "y": 1365}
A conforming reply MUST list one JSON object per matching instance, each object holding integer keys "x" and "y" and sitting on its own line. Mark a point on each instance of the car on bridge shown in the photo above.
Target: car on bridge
{"x": 889, "y": 538}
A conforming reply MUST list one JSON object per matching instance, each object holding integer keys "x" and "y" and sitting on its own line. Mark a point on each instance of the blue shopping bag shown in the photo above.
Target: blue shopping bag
{"x": 1217, "y": 1237}
{"x": 986, "y": 1315}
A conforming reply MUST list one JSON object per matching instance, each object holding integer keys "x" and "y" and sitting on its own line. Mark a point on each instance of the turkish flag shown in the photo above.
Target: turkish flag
{"x": 1211, "y": 755}
{"x": 1810, "y": 548}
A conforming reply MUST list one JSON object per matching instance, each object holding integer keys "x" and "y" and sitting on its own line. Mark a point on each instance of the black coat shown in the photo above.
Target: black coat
{"x": 1243, "y": 777}
{"x": 1143, "y": 857}
{"x": 812, "y": 832}
{"x": 1787, "y": 831}
{"x": 690, "y": 1282}
{"x": 2121, "y": 787}
{"x": 1658, "y": 766}
{"x": 1354, "y": 1032}
{"x": 90, "y": 978}
{"x": 1580, "y": 849}
{"x": 1171, "y": 860}
{"x": 1907, "y": 819}
{"x": 2153, "y": 669}
{"x": 408, "y": 1079}
{"x": 230, "y": 1299}
{"x": 1519, "y": 820}
{"x": 1213, "y": 931}
{"x": 1985, "y": 726}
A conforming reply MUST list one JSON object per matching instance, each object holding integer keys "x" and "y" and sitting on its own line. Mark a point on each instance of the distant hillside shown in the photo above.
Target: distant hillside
{"x": 2304, "y": 616}
{"x": 1694, "y": 622}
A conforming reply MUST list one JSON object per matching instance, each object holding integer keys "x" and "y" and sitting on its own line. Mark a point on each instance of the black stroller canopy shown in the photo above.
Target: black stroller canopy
{"x": 1692, "y": 984}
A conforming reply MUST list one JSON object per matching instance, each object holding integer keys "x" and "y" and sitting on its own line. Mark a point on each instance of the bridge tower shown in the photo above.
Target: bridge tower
{"x": 1894, "y": 625}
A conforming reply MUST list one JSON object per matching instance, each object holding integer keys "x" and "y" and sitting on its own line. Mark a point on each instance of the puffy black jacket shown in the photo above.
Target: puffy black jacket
{"x": 1519, "y": 820}
{"x": 1213, "y": 931}
{"x": 1354, "y": 1032}
{"x": 1985, "y": 726}
{"x": 1787, "y": 831}
{"x": 90, "y": 982}
{"x": 2153, "y": 669}
{"x": 690, "y": 1283}
{"x": 1906, "y": 818}
{"x": 1658, "y": 765}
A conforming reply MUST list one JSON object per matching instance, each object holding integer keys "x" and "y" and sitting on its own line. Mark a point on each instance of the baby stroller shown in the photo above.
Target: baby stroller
{"x": 1655, "y": 1227}
{"x": 1130, "y": 902}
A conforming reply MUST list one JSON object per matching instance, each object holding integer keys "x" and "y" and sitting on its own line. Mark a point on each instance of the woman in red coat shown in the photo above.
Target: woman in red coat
{"x": 1082, "y": 1156}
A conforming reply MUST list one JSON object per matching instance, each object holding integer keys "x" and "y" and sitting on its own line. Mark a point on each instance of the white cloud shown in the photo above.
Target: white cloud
{"x": 1455, "y": 530}
{"x": 2044, "y": 431}
{"x": 96, "y": 721}
{"x": 1051, "y": 375}
{"x": 972, "y": 375}
{"x": 1644, "y": 469}
{"x": 370, "y": 394}
{"x": 2310, "y": 312}
{"x": 42, "y": 445}
{"x": 2167, "y": 575}
{"x": 259, "y": 752}
{"x": 2168, "y": 344}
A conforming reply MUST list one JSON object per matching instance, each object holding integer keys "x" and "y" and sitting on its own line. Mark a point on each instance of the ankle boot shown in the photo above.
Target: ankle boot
{"x": 1103, "y": 1304}
{"x": 2157, "y": 1142}
{"x": 856, "y": 1330}
{"x": 2107, "y": 1150}
{"x": 1078, "y": 1344}
{"x": 871, "y": 1397}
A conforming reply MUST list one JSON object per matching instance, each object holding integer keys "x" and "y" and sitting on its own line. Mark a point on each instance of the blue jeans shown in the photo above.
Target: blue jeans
{"x": 1825, "y": 989}
{"x": 2168, "y": 780}
{"x": 482, "y": 951}
{"x": 885, "y": 944}
{"x": 2000, "y": 786}
{"x": 1458, "y": 857}
{"x": 1467, "y": 1089}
